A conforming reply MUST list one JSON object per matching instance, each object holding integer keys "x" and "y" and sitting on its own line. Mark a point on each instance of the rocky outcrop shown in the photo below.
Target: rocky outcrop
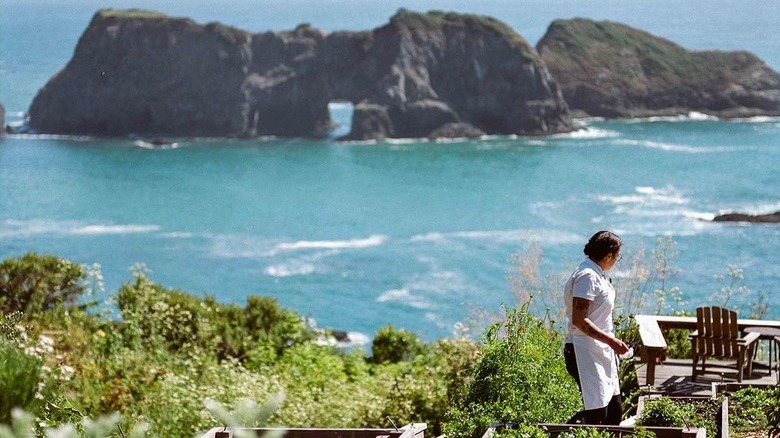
{"x": 611, "y": 70}
{"x": 456, "y": 130}
{"x": 136, "y": 72}
{"x": 2, "y": 119}
{"x": 771, "y": 218}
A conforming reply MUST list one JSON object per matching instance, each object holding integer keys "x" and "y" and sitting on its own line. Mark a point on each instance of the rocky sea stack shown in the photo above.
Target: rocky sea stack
{"x": 770, "y": 218}
{"x": 612, "y": 70}
{"x": 143, "y": 73}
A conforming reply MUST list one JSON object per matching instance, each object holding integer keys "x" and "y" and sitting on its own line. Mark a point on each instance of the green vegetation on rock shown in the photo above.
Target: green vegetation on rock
{"x": 130, "y": 13}
{"x": 438, "y": 21}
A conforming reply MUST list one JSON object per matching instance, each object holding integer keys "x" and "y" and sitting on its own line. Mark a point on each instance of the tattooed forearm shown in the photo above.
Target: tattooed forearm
{"x": 591, "y": 331}
{"x": 581, "y": 321}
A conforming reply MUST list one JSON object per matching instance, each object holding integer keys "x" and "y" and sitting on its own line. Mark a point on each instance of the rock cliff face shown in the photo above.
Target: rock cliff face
{"x": 612, "y": 70}
{"x": 136, "y": 72}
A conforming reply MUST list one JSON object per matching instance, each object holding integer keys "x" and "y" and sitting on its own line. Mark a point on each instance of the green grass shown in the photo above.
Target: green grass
{"x": 18, "y": 379}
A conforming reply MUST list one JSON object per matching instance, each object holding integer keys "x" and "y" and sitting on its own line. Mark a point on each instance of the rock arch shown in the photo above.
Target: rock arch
{"x": 408, "y": 78}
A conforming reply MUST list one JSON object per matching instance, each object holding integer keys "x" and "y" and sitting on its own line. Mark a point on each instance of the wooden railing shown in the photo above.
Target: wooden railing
{"x": 652, "y": 328}
{"x": 413, "y": 430}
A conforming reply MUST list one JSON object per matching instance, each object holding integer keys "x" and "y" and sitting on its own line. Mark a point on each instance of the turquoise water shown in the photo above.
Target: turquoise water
{"x": 414, "y": 234}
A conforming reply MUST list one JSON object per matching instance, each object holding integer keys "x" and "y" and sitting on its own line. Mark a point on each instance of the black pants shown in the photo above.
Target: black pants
{"x": 611, "y": 414}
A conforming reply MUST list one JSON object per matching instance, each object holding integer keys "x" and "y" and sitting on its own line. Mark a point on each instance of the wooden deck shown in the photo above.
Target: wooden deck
{"x": 673, "y": 376}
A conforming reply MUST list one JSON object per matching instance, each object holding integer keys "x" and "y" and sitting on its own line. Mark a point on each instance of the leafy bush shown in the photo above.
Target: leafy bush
{"x": 585, "y": 432}
{"x": 521, "y": 379}
{"x": 668, "y": 412}
{"x": 9, "y": 326}
{"x": 664, "y": 412}
{"x": 748, "y": 409}
{"x": 391, "y": 345}
{"x": 35, "y": 283}
{"x": 19, "y": 375}
{"x": 773, "y": 412}
{"x": 521, "y": 431}
{"x": 154, "y": 315}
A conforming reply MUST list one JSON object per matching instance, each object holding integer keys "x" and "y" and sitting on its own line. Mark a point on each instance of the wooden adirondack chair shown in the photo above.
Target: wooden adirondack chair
{"x": 717, "y": 335}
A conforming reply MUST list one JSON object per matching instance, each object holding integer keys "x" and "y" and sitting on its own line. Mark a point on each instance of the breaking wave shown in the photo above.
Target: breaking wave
{"x": 373, "y": 240}
{"x": 16, "y": 228}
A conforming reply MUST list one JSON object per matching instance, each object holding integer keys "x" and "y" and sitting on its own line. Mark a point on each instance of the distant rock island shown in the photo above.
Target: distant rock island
{"x": 144, "y": 73}
{"x": 611, "y": 70}
{"x": 771, "y": 218}
{"x": 432, "y": 74}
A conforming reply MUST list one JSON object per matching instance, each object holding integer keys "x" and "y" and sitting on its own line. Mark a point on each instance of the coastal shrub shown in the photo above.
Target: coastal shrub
{"x": 395, "y": 345}
{"x": 10, "y": 329}
{"x": 520, "y": 431}
{"x": 156, "y": 315}
{"x": 773, "y": 412}
{"x": 681, "y": 412}
{"x": 321, "y": 391}
{"x": 174, "y": 404}
{"x": 19, "y": 375}
{"x": 270, "y": 324}
{"x": 585, "y": 432}
{"x": 421, "y": 390}
{"x": 662, "y": 411}
{"x": 521, "y": 379}
{"x": 747, "y": 410}
{"x": 36, "y": 283}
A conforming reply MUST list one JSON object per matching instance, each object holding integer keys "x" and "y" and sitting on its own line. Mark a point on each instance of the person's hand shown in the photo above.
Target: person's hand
{"x": 618, "y": 346}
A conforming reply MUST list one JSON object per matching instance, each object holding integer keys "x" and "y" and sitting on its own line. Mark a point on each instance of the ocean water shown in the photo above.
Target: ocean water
{"x": 411, "y": 233}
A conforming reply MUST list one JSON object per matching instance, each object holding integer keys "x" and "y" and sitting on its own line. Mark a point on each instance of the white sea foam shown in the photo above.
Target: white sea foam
{"x": 397, "y": 141}
{"x": 756, "y": 119}
{"x": 761, "y": 208}
{"x": 303, "y": 265}
{"x": 290, "y": 269}
{"x": 691, "y": 116}
{"x": 177, "y": 235}
{"x": 156, "y": 146}
{"x": 451, "y": 140}
{"x": 16, "y": 228}
{"x": 230, "y": 246}
{"x": 404, "y": 296}
{"x": 647, "y": 196}
{"x": 425, "y": 290}
{"x": 373, "y": 240}
{"x": 695, "y": 115}
{"x": 671, "y": 147}
{"x": 309, "y": 251}
{"x": 354, "y": 339}
{"x": 113, "y": 229}
{"x": 699, "y": 215}
{"x": 436, "y": 319}
{"x": 501, "y": 236}
{"x": 358, "y": 338}
{"x": 588, "y": 133}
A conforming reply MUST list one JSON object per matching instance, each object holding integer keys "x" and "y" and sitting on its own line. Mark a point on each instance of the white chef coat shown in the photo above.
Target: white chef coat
{"x": 596, "y": 361}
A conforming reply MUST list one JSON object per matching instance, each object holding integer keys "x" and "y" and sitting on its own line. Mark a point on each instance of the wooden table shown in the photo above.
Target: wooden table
{"x": 652, "y": 327}
{"x": 773, "y": 336}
